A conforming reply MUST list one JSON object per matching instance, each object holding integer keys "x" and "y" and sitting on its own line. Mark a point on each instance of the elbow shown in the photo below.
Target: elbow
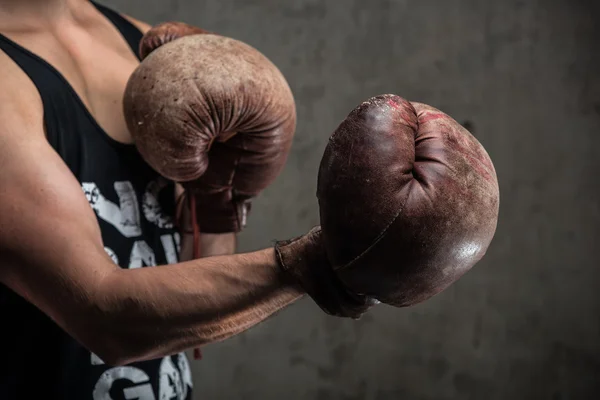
{"x": 111, "y": 350}
{"x": 116, "y": 354}
{"x": 117, "y": 348}
{"x": 109, "y": 332}
{"x": 118, "y": 358}
{"x": 115, "y": 361}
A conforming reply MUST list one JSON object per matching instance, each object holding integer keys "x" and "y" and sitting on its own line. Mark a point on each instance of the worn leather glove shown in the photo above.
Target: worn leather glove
{"x": 305, "y": 259}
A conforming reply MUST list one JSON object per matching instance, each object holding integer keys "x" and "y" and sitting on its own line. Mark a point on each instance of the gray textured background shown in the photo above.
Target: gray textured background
{"x": 525, "y": 323}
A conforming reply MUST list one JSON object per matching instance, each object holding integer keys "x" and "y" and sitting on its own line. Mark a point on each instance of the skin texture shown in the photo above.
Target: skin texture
{"x": 214, "y": 114}
{"x": 408, "y": 200}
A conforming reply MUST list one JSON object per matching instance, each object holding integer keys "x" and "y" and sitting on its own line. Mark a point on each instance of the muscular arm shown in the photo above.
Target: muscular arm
{"x": 51, "y": 254}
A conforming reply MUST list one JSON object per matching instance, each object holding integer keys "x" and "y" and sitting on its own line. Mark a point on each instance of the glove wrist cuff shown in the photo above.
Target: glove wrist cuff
{"x": 305, "y": 260}
{"x": 213, "y": 213}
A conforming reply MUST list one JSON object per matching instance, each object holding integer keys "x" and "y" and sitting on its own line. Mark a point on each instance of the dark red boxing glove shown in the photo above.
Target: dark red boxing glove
{"x": 165, "y": 33}
{"x": 408, "y": 202}
{"x": 408, "y": 199}
{"x": 211, "y": 113}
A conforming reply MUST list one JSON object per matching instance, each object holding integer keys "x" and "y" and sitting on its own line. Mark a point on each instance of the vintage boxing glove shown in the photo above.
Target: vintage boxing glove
{"x": 408, "y": 202}
{"x": 212, "y": 113}
{"x": 305, "y": 259}
{"x": 165, "y": 33}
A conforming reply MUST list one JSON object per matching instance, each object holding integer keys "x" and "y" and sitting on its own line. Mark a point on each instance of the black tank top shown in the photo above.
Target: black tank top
{"x": 134, "y": 207}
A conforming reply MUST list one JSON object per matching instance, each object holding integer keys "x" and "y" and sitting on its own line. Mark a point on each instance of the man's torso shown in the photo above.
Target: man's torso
{"x": 83, "y": 119}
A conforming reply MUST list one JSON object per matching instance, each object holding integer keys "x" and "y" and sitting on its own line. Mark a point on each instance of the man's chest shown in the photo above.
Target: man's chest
{"x": 96, "y": 67}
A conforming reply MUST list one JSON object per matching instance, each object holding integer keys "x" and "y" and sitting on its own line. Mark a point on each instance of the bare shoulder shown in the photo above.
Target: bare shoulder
{"x": 141, "y": 25}
{"x": 21, "y": 102}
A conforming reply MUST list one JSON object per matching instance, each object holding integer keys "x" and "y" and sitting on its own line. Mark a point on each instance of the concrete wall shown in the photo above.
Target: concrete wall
{"x": 525, "y": 323}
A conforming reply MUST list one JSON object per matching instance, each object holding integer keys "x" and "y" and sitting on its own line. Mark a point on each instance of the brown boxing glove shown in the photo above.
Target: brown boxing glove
{"x": 408, "y": 203}
{"x": 408, "y": 200}
{"x": 213, "y": 114}
{"x": 305, "y": 259}
{"x": 165, "y": 33}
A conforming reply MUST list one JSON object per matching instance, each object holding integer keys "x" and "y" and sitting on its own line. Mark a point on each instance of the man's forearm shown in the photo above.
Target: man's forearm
{"x": 162, "y": 310}
{"x": 210, "y": 245}
{"x": 218, "y": 244}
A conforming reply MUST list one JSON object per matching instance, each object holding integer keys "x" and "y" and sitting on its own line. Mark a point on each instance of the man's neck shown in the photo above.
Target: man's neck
{"x": 36, "y": 13}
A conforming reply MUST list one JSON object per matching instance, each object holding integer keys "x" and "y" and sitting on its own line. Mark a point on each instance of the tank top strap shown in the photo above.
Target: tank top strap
{"x": 50, "y": 85}
{"x": 129, "y": 31}
{"x": 60, "y": 101}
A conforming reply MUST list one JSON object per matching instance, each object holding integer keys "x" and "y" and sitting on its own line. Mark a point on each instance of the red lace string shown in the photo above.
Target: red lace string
{"x": 196, "y": 229}
{"x": 196, "y": 233}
